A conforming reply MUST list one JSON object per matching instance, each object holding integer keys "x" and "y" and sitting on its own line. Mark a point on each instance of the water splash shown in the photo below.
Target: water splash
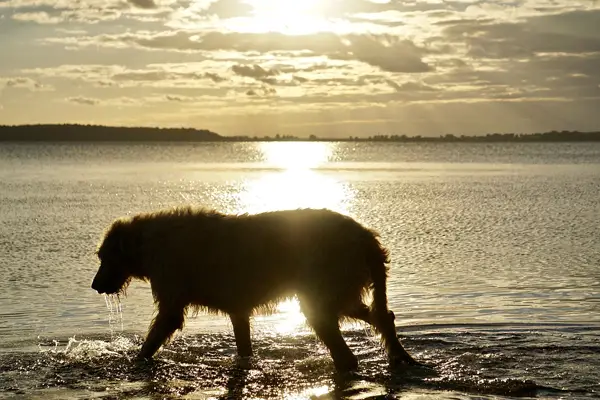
{"x": 86, "y": 349}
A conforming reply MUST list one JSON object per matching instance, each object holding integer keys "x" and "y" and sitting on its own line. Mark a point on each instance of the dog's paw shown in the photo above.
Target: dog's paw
{"x": 405, "y": 363}
{"x": 143, "y": 359}
{"x": 244, "y": 362}
{"x": 404, "y": 360}
{"x": 346, "y": 364}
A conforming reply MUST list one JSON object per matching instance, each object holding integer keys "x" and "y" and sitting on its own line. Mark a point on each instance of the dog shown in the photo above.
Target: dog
{"x": 200, "y": 259}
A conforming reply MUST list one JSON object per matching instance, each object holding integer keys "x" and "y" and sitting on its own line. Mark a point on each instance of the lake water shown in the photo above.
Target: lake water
{"x": 495, "y": 272}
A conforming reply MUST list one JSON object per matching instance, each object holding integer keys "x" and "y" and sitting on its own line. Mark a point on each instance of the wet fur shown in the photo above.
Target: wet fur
{"x": 240, "y": 264}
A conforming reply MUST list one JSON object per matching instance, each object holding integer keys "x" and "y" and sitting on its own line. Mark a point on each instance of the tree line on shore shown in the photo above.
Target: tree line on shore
{"x": 101, "y": 133}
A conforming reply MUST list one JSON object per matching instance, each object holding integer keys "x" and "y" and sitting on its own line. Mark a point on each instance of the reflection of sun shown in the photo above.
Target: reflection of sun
{"x": 293, "y": 189}
{"x": 297, "y": 186}
{"x": 290, "y": 17}
{"x": 296, "y": 155}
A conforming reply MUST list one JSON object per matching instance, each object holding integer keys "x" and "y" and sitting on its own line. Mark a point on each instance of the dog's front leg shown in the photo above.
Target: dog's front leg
{"x": 241, "y": 331}
{"x": 163, "y": 326}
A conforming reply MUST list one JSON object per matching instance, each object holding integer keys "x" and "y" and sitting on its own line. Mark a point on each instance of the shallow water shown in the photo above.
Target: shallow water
{"x": 467, "y": 361}
{"x": 495, "y": 273}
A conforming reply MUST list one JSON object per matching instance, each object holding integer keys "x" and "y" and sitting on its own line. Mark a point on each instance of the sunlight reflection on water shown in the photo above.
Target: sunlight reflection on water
{"x": 297, "y": 185}
{"x": 293, "y": 189}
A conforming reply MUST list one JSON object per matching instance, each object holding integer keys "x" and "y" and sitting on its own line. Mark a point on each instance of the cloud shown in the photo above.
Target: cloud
{"x": 253, "y": 71}
{"x": 71, "y": 31}
{"x": 409, "y": 86}
{"x": 176, "y": 98}
{"x": 225, "y": 9}
{"x": 40, "y": 17}
{"x": 190, "y": 75}
{"x": 383, "y": 51}
{"x": 90, "y": 11}
{"x": 214, "y": 77}
{"x": 24, "y": 83}
{"x": 147, "y": 4}
{"x": 388, "y": 53}
{"x": 86, "y": 101}
{"x": 570, "y": 32}
{"x": 263, "y": 91}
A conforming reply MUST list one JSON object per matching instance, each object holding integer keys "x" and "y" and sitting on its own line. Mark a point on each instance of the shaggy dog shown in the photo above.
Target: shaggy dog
{"x": 238, "y": 264}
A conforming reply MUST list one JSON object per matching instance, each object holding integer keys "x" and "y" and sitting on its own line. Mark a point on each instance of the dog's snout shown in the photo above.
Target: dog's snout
{"x": 96, "y": 285}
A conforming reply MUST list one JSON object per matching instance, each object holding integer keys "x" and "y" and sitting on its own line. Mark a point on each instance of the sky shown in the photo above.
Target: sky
{"x": 333, "y": 68}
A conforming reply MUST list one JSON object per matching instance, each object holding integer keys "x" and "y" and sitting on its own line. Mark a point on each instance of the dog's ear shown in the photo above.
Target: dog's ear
{"x": 119, "y": 240}
{"x": 123, "y": 240}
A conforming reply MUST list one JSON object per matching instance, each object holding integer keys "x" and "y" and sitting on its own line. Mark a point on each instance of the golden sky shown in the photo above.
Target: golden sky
{"x": 325, "y": 67}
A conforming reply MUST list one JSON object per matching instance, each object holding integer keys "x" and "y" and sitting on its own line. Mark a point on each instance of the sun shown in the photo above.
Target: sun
{"x": 282, "y": 8}
{"x": 288, "y": 17}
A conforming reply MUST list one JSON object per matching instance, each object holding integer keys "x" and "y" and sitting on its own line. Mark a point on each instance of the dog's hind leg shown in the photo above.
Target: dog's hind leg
{"x": 241, "y": 331}
{"x": 326, "y": 326}
{"x": 163, "y": 326}
{"x": 383, "y": 322}
{"x": 383, "y": 319}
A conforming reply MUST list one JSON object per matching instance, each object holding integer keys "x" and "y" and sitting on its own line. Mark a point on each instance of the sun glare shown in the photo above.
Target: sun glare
{"x": 278, "y": 8}
{"x": 290, "y": 316}
{"x": 290, "y": 17}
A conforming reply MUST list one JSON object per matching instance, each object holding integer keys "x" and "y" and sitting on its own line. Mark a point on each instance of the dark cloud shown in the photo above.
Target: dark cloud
{"x": 300, "y": 79}
{"x": 465, "y": 21}
{"x": 161, "y": 75}
{"x": 409, "y": 86}
{"x": 263, "y": 91}
{"x": 86, "y": 101}
{"x": 580, "y": 23}
{"x": 146, "y": 4}
{"x": 105, "y": 83}
{"x": 178, "y": 98}
{"x": 39, "y": 17}
{"x": 24, "y": 83}
{"x": 141, "y": 76}
{"x": 557, "y": 76}
{"x": 253, "y": 71}
{"x": 214, "y": 77}
{"x": 19, "y": 82}
{"x": 571, "y": 32}
{"x": 387, "y": 52}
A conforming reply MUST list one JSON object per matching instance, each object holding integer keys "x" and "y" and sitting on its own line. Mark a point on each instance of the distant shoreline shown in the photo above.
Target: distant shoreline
{"x": 101, "y": 133}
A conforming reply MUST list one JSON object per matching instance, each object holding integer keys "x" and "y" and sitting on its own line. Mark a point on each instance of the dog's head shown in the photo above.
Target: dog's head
{"x": 117, "y": 259}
